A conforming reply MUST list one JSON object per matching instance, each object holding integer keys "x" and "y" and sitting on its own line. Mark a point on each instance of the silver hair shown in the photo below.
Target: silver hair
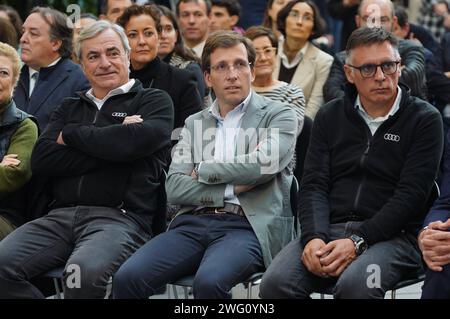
{"x": 95, "y": 29}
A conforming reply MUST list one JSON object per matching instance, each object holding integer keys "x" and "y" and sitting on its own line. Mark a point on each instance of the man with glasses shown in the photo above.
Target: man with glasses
{"x": 380, "y": 13}
{"x": 369, "y": 171}
{"x": 231, "y": 174}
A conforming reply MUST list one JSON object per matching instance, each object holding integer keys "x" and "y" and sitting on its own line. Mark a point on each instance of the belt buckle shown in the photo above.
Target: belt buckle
{"x": 218, "y": 211}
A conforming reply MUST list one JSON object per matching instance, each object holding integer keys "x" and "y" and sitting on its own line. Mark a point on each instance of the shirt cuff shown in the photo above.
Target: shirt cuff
{"x": 229, "y": 191}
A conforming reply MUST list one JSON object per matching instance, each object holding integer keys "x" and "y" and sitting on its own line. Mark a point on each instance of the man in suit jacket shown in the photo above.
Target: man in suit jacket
{"x": 48, "y": 75}
{"x": 233, "y": 188}
{"x": 434, "y": 240}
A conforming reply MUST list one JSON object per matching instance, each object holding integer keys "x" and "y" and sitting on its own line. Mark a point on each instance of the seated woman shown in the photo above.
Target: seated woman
{"x": 142, "y": 27}
{"x": 299, "y": 62}
{"x": 18, "y": 133}
{"x": 270, "y": 15}
{"x": 265, "y": 44}
{"x": 173, "y": 51}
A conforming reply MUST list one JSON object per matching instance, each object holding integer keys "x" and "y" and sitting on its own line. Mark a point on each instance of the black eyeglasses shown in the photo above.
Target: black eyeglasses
{"x": 369, "y": 70}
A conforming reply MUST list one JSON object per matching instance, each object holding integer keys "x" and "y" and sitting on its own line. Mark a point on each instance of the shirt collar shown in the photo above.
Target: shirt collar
{"x": 297, "y": 59}
{"x": 241, "y": 108}
{"x": 32, "y": 71}
{"x": 394, "y": 108}
{"x": 125, "y": 88}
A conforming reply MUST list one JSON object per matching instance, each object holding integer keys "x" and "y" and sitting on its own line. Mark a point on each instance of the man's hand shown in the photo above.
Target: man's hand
{"x": 447, "y": 74}
{"x": 434, "y": 242}
{"x": 310, "y": 258}
{"x": 10, "y": 160}
{"x": 336, "y": 256}
{"x": 60, "y": 139}
{"x": 239, "y": 189}
{"x": 132, "y": 119}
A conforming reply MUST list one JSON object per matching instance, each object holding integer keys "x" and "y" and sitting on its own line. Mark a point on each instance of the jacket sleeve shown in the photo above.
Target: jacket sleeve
{"x": 413, "y": 67}
{"x": 273, "y": 153}
{"x": 314, "y": 206}
{"x": 52, "y": 159}
{"x": 414, "y": 186}
{"x": 441, "y": 207}
{"x": 22, "y": 142}
{"x": 190, "y": 100}
{"x": 181, "y": 188}
{"x": 335, "y": 83}
{"x": 126, "y": 143}
{"x": 316, "y": 98}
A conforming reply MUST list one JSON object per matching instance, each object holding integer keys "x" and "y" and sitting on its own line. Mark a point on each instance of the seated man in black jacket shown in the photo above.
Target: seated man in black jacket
{"x": 369, "y": 170}
{"x": 412, "y": 54}
{"x": 103, "y": 153}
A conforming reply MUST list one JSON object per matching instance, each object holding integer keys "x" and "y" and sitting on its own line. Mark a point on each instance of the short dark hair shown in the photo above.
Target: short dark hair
{"x": 369, "y": 36}
{"x": 259, "y": 31}
{"x": 104, "y": 6}
{"x": 319, "y": 27}
{"x": 59, "y": 28}
{"x": 402, "y": 15}
{"x": 14, "y": 18}
{"x": 207, "y": 3}
{"x": 137, "y": 10}
{"x": 233, "y": 7}
{"x": 225, "y": 39}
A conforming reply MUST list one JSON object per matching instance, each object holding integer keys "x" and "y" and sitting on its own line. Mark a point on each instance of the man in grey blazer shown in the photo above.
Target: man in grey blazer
{"x": 231, "y": 174}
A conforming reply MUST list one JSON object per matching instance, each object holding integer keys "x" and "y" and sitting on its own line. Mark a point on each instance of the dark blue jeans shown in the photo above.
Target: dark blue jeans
{"x": 221, "y": 250}
{"x": 95, "y": 240}
{"x": 370, "y": 275}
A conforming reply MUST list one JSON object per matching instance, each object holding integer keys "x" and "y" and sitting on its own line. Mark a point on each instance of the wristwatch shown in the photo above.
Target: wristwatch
{"x": 360, "y": 244}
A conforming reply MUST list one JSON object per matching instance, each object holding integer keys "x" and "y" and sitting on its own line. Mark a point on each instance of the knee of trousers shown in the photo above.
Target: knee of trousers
{"x": 209, "y": 285}
{"x": 355, "y": 286}
{"x": 85, "y": 282}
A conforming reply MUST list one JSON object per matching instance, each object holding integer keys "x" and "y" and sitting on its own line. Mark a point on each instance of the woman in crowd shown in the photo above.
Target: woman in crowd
{"x": 270, "y": 15}
{"x": 173, "y": 51}
{"x": 8, "y": 33}
{"x": 300, "y": 62}
{"x": 142, "y": 27}
{"x": 265, "y": 44}
{"x": 18, "y": 133}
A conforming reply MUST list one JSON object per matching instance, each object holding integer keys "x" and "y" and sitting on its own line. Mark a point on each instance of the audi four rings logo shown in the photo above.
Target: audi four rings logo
{"x": 119, "y": 114}
{"x": 391, "y": 137}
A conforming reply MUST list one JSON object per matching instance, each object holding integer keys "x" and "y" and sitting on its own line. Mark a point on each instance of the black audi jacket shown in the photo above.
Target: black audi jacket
{"x": 383, "y": 180}
{"x": 104, "y": 162}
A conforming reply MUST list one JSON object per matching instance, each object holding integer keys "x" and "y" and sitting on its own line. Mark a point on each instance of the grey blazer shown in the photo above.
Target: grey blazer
{"x": 266, "y": 206}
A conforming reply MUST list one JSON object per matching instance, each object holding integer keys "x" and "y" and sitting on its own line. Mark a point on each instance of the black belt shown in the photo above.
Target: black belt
{"x": 229, "y": 208}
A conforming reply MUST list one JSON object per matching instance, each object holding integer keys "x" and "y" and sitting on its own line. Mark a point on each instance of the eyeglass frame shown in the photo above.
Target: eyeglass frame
{"x": 376, "y": 68}
{"x": 266, "y": 51}
{"x": 228, "y": 68}
{"x": 296, "y": 15}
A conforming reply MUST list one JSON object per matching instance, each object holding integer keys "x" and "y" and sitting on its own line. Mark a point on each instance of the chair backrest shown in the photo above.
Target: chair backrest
{"x": 302, "y": 146}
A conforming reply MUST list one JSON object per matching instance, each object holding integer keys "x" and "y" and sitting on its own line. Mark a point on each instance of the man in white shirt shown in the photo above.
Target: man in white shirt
{"x": 230, "y": 174}
{"x": 103, "y": 154}
{"x": 193, "y": 17}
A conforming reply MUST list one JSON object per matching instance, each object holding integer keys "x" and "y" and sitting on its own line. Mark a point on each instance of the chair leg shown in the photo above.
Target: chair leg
{"x": 249, "y": 290}
{"x": 186, "y": 292}
{"x": 322, "y": 296}
{"x": 175, "y": 292}
{"x": 58, "y": 294}
{"x": 393, "y": 294}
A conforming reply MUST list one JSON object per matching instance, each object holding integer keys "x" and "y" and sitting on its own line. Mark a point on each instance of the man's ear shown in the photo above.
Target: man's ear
{"x": 207, "y": 76}
{"x": 349, "y": 74}
{"x": 358, "y": 21}
{"x": 56, "y": 44}
{"x": 233, "y": 20}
